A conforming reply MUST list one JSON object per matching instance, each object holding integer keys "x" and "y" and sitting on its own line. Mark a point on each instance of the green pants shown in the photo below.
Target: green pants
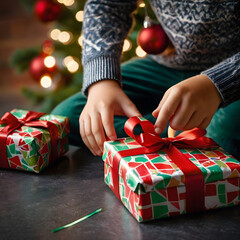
{"x": 145, "y": 82}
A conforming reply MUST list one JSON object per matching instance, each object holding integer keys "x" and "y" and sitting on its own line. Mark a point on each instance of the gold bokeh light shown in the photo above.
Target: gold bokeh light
{"x": 46, "y": 81}
{"x": 140, "y": 52}
{"x": 49, "y": 61}
{"x": 79, "y": 16}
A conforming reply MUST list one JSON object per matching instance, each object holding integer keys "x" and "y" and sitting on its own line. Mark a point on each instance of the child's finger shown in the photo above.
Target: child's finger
{"x": 93, "y": 144}
{"x": 85, "y": 135}
{"x": 205, "y": 122}
{"x": 98, "y": 137}
{"x": 182, "y": 115}
{"x": 157, "y": 110}
{"x": 166, "y": 112}
{"x": 107, "y": 116}
{"x": 194, "y": 121}
{"x": 130, "y": 109}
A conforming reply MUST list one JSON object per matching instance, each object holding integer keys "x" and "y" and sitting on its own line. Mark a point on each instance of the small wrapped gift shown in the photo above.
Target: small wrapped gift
{"x": 156, "y": 178}
{"x": 31, "y": 140}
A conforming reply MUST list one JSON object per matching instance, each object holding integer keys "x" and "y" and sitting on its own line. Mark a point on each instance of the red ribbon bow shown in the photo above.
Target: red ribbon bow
{"x": 151, "y": 142}
{"x": 31, "y": 120}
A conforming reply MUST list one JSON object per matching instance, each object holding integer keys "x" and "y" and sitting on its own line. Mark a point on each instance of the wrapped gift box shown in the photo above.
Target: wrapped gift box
{"x": 151, "y": 185}
{"x": 30, "y": 140}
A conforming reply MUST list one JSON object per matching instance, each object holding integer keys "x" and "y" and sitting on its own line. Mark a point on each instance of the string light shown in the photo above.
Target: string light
{"x": 66, "y": 60}
{"x": 142, "y": 4}
{"x": 79, "y": 16}
{"x": 71, "y": 64}
{"x": 127, "y": 45}
{"x": 67, "y": 3}
{"x": 49, "y": 61}
{"x": 64, "y": 37}
{"x": 54, "y": 34}
{"x": 80, "y": 40}
{"x": 46, "y": 81}
{"x": 140, "y": 52}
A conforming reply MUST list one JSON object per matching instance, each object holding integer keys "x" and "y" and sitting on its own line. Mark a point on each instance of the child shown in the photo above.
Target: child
{"x": 196, "y": 86}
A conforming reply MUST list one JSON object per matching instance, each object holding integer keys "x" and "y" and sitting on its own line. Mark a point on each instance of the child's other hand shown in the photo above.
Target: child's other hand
{"x": 105, "y": 99}
{"x": 188, "y": 104}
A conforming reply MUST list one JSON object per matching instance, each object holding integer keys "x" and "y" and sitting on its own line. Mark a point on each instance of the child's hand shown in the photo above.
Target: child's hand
{"x": 105, "y": 99}
{"x": 188, "y": 104}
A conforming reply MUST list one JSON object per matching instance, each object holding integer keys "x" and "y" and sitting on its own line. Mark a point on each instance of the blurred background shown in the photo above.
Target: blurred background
{"x": 18, "y": 30}
{"x": 40, "y": 51}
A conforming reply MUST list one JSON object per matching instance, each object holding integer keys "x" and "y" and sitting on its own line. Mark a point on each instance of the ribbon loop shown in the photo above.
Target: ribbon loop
{"x": 8, "y": 118}
{"x": 188, "y": 139}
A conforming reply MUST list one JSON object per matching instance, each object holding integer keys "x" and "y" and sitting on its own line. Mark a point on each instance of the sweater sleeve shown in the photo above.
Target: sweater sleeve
{"x": 226, "y": 78}
{"x": 105, "y": 26}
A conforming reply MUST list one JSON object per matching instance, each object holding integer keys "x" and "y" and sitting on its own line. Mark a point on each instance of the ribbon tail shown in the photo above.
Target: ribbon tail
{"x": 12, "y": 124}
{"x": 31, "y": 115}
{"x": 194, "y": 181}
{"x": 3, "y": 151}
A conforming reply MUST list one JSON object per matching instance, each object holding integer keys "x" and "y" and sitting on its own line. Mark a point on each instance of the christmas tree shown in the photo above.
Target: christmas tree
{"x": 56, "y": 64}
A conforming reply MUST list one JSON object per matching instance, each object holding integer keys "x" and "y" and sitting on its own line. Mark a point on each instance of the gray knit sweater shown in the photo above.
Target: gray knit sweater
{"x": 205, "y": 34}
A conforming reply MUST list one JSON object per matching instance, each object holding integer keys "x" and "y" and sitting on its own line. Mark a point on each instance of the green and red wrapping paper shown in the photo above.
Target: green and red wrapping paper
{"x": 160, "y": 177}
{"x": 30, "y": 140}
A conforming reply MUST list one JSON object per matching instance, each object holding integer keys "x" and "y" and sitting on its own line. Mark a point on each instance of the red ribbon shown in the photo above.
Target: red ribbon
{"x": 31, "y": 120}
{"x": 151, "y": 142}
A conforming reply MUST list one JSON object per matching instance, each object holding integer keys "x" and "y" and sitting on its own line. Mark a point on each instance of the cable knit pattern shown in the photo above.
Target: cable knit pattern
{"x": 105, "y": 26}
{"x": 205, "y": 34}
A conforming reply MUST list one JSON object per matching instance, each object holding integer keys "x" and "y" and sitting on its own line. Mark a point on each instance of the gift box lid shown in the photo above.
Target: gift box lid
{"x": 156, "y": 170}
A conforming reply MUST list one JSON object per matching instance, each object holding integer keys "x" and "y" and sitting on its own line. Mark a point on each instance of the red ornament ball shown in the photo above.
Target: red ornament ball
{"x": 47, "y": 47}
{"x": 47, "y": 10}
{"x": 153, "y": 39}
{"x": 37, "y": 67}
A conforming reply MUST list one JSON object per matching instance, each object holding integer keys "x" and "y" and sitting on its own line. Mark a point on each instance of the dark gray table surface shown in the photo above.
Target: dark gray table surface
{"x": 31, "y": 205}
